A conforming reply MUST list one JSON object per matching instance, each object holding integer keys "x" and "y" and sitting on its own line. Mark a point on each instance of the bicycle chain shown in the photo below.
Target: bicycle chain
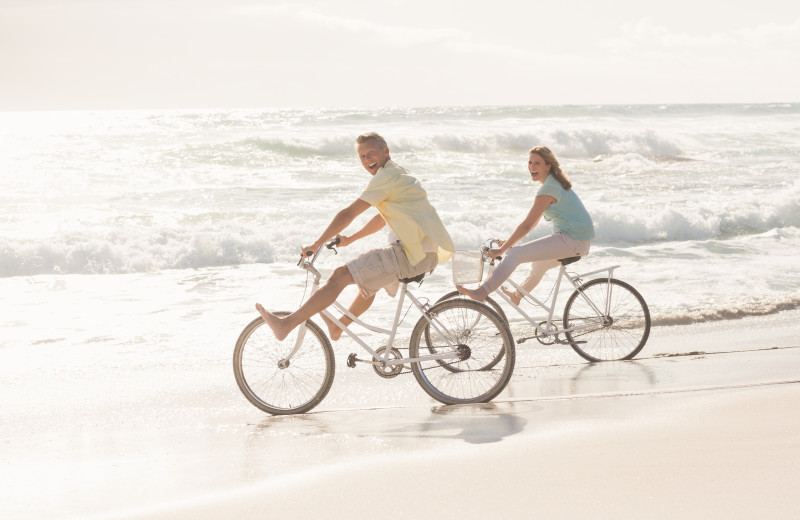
{"x": 404, "y": 370}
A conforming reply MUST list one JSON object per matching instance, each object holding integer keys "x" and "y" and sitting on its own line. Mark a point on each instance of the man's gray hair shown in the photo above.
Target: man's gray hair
{"x": 371, "y": 136}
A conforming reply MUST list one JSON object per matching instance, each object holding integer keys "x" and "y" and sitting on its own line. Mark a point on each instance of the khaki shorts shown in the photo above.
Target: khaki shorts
{"x": 382, "y": 268}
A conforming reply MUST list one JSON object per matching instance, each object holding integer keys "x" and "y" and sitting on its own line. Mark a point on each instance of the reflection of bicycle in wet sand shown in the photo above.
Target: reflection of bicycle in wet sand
{"x": 460, "y": 352}
{"x": 604, "y": 318}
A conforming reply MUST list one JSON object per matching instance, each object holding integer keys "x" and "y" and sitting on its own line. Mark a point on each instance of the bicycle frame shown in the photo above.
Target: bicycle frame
{"x": 549, "y": 329}
{"x": 381, "y": 360}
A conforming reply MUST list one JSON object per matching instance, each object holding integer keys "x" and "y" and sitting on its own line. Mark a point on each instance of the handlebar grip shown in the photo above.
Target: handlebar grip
{"x": 333, "y": 242}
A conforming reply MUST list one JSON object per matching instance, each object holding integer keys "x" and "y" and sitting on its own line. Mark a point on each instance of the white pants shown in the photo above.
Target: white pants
{"x": 544, "y": 253}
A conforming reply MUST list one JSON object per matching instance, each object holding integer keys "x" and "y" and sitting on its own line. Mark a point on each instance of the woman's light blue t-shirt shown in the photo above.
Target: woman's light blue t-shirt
{"x": 568, "y": 214}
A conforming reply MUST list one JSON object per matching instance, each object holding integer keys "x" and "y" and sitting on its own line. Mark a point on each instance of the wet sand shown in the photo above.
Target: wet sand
{"x": 702, "y": 424}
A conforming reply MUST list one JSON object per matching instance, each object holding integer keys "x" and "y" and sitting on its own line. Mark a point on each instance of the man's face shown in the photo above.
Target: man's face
{"x": 373, "y": 156}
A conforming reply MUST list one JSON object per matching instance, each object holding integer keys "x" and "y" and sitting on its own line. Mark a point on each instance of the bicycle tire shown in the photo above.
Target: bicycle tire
{"x": 617, "y": 336}
{"x": 293, "y": 389}
{"x": 481, "y": 335}
{"x": 495, "y": 306}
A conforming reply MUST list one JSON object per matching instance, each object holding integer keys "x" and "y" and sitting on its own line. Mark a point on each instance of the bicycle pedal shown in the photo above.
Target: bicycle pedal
{"x": 565, "y": 342}
{"x": 352, "y": 360}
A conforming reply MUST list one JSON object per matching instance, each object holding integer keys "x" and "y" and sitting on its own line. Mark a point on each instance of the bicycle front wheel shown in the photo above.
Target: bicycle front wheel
{"x": 483, "y": 345}
{"x": 610, "y": 319}
{"x": 493, "y": 304}
{"x": 278, "y": 385}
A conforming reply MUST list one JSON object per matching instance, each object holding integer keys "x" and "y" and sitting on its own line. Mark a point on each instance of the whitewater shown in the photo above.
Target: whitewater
{"x": 183, "y": 219}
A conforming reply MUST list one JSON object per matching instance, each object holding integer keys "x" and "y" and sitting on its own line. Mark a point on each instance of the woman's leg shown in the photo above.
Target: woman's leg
{"x": 534, "y": 277}
{"x": 549, "y": 248}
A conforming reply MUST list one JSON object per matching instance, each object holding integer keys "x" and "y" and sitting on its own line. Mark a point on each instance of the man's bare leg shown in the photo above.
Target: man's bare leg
{"x": 357, "y": 308}
{"x": 478, "y": 294}
{"x": 320, "y": 300}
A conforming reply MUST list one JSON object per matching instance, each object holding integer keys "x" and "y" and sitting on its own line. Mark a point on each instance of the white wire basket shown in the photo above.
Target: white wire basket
{"x": 467, "y": 267}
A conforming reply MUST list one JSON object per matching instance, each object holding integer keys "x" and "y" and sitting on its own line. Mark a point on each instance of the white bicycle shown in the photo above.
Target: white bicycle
{"x": 604, "y": 319}
{"x": 460, "y": 352}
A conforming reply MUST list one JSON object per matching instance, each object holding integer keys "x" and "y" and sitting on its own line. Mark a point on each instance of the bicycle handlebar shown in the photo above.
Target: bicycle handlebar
{"x": 331, "y": 244}
{"x": 491, "y": 242}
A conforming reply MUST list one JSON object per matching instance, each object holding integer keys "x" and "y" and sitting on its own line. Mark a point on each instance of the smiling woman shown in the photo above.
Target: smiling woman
{"x": 572, "y": 230}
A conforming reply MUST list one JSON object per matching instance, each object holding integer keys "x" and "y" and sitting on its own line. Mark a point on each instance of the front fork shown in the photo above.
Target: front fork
{"x": 301, "y": 333}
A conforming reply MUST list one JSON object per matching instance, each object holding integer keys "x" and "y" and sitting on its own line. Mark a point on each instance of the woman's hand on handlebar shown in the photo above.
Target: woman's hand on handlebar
{"x": 495, "y": 248}
{"x": 495, "y": 252}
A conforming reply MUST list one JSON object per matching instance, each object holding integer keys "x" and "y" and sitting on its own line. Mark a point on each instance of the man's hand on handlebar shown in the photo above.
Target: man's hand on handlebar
{"x": 308, "y": 250}
{"x": 313, "y": 249}
{"x": 343, "y": 240}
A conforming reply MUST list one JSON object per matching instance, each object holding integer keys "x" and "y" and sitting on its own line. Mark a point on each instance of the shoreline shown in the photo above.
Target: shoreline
{"x": 702, "y": 423}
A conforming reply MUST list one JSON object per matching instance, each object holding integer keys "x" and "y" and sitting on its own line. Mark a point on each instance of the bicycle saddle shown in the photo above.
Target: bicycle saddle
{"x": 567, "y": 261}
{"x": 417, "y": 278}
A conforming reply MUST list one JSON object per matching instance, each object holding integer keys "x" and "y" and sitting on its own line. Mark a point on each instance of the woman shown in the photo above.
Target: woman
{"x": 572, "y": 229}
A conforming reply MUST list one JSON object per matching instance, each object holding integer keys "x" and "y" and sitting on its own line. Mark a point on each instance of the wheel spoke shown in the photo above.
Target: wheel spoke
{"x": 295, "y": 388}
{"x": 619, "y": 335}
{"x": 484, "y": 345}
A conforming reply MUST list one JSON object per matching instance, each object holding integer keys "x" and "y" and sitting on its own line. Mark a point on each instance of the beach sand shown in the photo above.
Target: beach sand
{"x": 703, "y": 424}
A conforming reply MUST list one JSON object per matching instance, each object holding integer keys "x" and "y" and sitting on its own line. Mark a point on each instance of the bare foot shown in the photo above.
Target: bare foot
{"x": 333, "y": 329}
{"x": 513, "y": 295}
{"x": 478, "y": 294}
{"x": 274, "y": 322}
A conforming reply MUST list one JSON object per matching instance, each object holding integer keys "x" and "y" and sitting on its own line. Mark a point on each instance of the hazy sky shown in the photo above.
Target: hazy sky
{"x": 101, "y": 54}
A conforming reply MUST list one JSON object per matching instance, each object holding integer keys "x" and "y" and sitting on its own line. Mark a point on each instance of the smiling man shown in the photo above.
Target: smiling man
{"x": 418, "y": 239}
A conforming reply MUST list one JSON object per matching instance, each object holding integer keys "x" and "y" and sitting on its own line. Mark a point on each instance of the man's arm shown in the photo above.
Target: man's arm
{"x": 342, "y": 219}
{"x": 373, "y": 226}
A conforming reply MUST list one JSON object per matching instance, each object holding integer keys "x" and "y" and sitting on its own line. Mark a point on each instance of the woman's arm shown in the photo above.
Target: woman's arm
{"x": 375, "y": 224}
{"x": 540, "y": 203}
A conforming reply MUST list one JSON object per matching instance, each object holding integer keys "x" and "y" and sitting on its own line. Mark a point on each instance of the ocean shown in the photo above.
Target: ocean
{"x": 160, "y": 229}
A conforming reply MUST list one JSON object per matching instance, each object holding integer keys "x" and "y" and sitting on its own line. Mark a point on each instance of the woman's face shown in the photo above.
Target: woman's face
{"x": 538, "y": 168}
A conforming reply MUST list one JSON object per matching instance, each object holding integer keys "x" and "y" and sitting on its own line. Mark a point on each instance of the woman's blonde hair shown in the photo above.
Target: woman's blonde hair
{"x": 555, "y": 169}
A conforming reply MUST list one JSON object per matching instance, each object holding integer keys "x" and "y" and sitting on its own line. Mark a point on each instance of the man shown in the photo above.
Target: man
{"x": 422, "y": 240}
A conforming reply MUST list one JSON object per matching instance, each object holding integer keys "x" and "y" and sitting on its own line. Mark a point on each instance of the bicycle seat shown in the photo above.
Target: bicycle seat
{"x": 417, "y": 278}
{"x": 570, "y": 260}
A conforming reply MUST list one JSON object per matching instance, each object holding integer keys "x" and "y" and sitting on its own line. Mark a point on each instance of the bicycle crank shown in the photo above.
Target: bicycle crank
{"x": 384, "y": 370}
{"x": 381, "y": 368}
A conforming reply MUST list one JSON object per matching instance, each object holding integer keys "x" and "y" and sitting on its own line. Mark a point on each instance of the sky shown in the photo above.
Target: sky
{"x": 191, "y": 54}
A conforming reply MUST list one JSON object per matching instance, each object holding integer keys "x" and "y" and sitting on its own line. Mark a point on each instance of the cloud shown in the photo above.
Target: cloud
{"x": 771, "y": 34}
{"x": 645, "y": 35}
{"x": 393, "y": 34}
{"x": 450, "y": 39}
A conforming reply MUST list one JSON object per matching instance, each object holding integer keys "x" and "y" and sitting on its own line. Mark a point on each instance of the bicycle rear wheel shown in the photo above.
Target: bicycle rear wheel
{"x": 277, "y": 386}
{"x": 612, "y": 320}
{"x": 484, "y": 345}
